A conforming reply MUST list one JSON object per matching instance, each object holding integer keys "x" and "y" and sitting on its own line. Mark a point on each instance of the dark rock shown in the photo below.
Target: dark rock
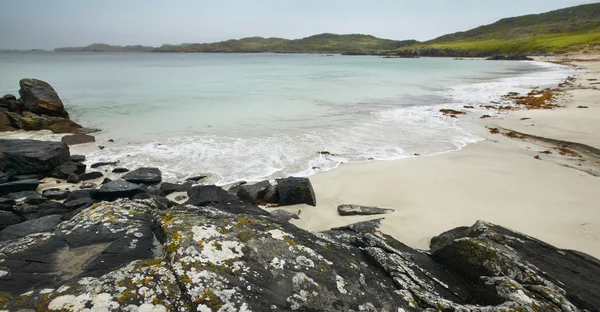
{"x": 147, "y": 175}
{"x": 78, "y": 158}
{"x": 9, "y": 218}
{"x": 357, "y": 210}
{"x": 163, "y": 202}
{"x": 4, "y": 177}
{"x": 6, "y": 201}
{"x": 235, "y": 187}
{"x": 73, "y": 178}
{"x": 203, "y": 195}
{"x": 253, "y": 193}
{"x": 197, "y": 178}
{"x": 63, "y": 171}
{"x": 293, "y": 191}
{"x": 120, "y": 170}
{"x": 80, "y": 203}
{"x": 27, "y": 197}
{"x": 106, "y": 180}
{"x": 284, "y": 215}
{"x": 18, "y": 186}
{"x": 88, "y": 185}
{"x": 116, "y": 189}
{"x": 41, "y": 225}
{"x": 370, "y": 226}
{"x": 181, "y": 197}
{"x": 55, "y": 193}
{"x": 78, "y": 194}
{"x": 5, "y": 121}
{"x": 111, "y": 141}
{"x": 510, "y": 57}
{"x": 272, "y": 196}
{"x": 152, "y": 189}
{"x": 77, "y": 138}
{"x": 31, "y": 157}
{"x": 19, "y": 177}
{"x": 102, "y": 164}
{"x": 91, "y": 175}
{"x": 39, "y": 97}
{"x": 169, "y": 188}
{"x": 6, "y": 207}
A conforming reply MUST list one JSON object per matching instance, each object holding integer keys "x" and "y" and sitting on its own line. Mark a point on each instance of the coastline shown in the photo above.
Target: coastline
{"x": 497, "y": 180}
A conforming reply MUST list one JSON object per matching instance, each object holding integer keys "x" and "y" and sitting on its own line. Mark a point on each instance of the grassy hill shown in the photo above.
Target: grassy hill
{"x": 559, "y": 31}
{"x": 101, "y": 47}
{"x": 323, "y": 43}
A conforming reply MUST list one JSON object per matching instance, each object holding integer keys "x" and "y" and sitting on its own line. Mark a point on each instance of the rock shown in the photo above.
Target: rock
{"x": 197, "y": 178}
{"x": 168, "y": 188}
{"x": 202, "y": 195}
{"x": 5, "y": 121}
{"x": 146, "y": 175}
{"x": 120, "y": 170}
{"x": 180, "y": 197}
{"x": 31, "y": 156}
{"x": 509, "y": 57}
{"x": 272, "y": 196}
{"x": 63, "y": 171}
{"x": 106, "y": 180}
{"x": 41, "y": 225}
{"x": 253, "y": 193}
{"x": 55, "y": 193}
{"x": 4, "y": 177}
{"x": 152, "y": 189}
{"x": 78, "y": 158}
{"x": 27, "y": 197}
{"x": 235, "y": 187}
{"x": 8, "y": 218}
{"x": 451, "y": 112}
{"x": 293, "y": 191}
{"x": 284, "y": 215}
{"x": 357, "y": 210}
{"x": 88, "y": 185}
{"x": 18, "y": 186}
{"x": 19, "y": 177}
{"x": 78, "y": 138}
{"x": 116, "y": 189}
{"x": 30, "y": 121}
{"x": 80, "y": 203}
{"x": 73, "y": 178}
{"x": 78, "y": 194}
{"x": 91, "y": 175}
{"x": 163, "y": 202}
{"x": 6, "y": 201}
{"x": 102, "y": 164}
{"x": 39, "y": 97}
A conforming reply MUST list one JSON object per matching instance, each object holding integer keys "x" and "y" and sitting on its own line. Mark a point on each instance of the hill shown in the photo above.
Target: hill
{"x": 101, "y": 47}
{"x": 558, "y": 31}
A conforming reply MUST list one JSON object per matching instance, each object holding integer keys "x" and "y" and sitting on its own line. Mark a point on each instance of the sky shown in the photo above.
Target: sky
{"x": 48, "y": 24}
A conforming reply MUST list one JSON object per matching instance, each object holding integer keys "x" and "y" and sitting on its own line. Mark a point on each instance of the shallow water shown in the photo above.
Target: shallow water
{"x": 255, "y": 116}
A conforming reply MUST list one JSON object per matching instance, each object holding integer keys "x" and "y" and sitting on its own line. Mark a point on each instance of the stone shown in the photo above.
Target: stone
{"x": 253, "y": 193}
{"x": 357, "y": 210}
{"x": 78, "y": 194}
{"x": 27, "y": 197}
{"x": 120, "y": 170}
{"x": 6, "y": 201}
{"x": 106, "y": 180}
{"x": 234, "y": 188}
{"x": 169, "y": 188}
{"x": 39, "y": 97}
{"x": 284, "y": 215}
{"x": 510, "y": 57}
{"x": 102, "y": 164}
{"x": 19, "y": 177}
{"x": 180, "y": 197}
{"x": 31, "y": 156}
{"x": 55, "y": 193}
{"x": 8, "y": 218}
{"x": 197, "y": 178}
{"x": 163, "y": 202}
{"x": 63, "y": 171}
{"x": 30, "y": 121}
{"x": 73, "y": 178}
{"x": 272, "y": 196}
{"x": 5, "y": 121}
{"x": 77, "y": 138}
{"x": 78, "y": 158}
{"x": 202, "y": 195}
{"x": 91, "y": 175}
{"x": 4, "y": 177}
{"x": 116, "y": 189}
{"x": 294, "y": 191}
{"x": 41, "y": 225}
{"x": 80, "y": 203}
{"x": 146, "y": 175}
{"x": 19, "y": 186}
{"x": 88, "y": 185}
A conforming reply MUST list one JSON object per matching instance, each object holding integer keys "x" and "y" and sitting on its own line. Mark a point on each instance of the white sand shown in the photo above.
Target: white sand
{"x": 496, "y": 180}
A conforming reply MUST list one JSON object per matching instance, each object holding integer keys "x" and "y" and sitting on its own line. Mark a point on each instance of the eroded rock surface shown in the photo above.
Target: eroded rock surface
{"x": 357, "y": 210}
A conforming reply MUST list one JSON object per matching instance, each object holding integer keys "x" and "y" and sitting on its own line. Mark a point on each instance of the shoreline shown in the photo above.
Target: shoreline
{"x": 497, "y": 180}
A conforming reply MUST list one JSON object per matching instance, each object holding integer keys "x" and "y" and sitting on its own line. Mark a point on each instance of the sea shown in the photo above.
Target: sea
{"x": 266, "y": 116}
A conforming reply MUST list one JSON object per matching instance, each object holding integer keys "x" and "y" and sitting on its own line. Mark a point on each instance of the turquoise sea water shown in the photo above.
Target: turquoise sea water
{"x": 254, "y": 116}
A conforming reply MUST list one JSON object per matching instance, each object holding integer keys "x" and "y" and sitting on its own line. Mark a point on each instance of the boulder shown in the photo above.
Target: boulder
{"x": 146, "y": 175}
{"x": 294, "y": 191}
{"x": 4, "y": 177}
{"x": 6, "y": 201}
{"x": 253, "y": 193}
{"x": 78, "y": 194}
{"x": 31, "y": 156}
{"x": 55, "y": 193}
{"x": 41, "y": 225}
{"x": 91, "y": 175}
{"x": 272, "y": 196}
{"x": 73, "y": 178}
{"x": 162, "y": 202}
{"x": 168, "y": 188}
{"x": 102, "y": 164}
{"x": 39, "y": 97}
{"x": 31, "y": 121}
{"x": 78, "y": 158}
{"x": 116, "y": 189}
{"x": 5, "y": 121}
{"x": 78, "y": 138}
{"x": 18, "y": 186}
{"x": 203, "y": 195}
{"x": 234, "y": 188}
{"x": 27, "y": 197}
{"x": 20, "y": 177}
{"x": 63, "y": 171}
{"x": 357, "y": 210}
{"x": 284, "y": 215}
{"x": 8, "y": 218}
{"x": 119, "y": 170}
{"x": 80, "y": 203}
{"x": 88, "y": 185}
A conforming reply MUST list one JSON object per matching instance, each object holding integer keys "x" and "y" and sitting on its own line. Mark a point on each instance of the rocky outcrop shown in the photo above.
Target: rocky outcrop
{"x": 357, "y": 210}
{"x": 116, "y": 189}
{"x": 253, "y": 193}
{"x": 509, "y": 57}
{"x": 39, "y": 108}
{"x": 293, "y": 191}
{"x": 18, "y": 186}
{"x": 147, "y": 175}
{"x": 19, "y": 157}
{"x": 78, "y": 138}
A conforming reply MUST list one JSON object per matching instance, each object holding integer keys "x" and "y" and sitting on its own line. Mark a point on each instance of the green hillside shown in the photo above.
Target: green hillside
{"x": 559, "y": 31}
{"x": 101, "y": 47}
{"x": 324, "y": 43}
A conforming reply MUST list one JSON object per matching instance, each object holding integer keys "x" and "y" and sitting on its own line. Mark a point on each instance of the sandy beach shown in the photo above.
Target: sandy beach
{"x": 554, "y": 198}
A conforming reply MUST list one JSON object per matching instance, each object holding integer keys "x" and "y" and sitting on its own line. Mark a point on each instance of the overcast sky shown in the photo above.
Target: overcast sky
{"x": 47, "y": 24}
